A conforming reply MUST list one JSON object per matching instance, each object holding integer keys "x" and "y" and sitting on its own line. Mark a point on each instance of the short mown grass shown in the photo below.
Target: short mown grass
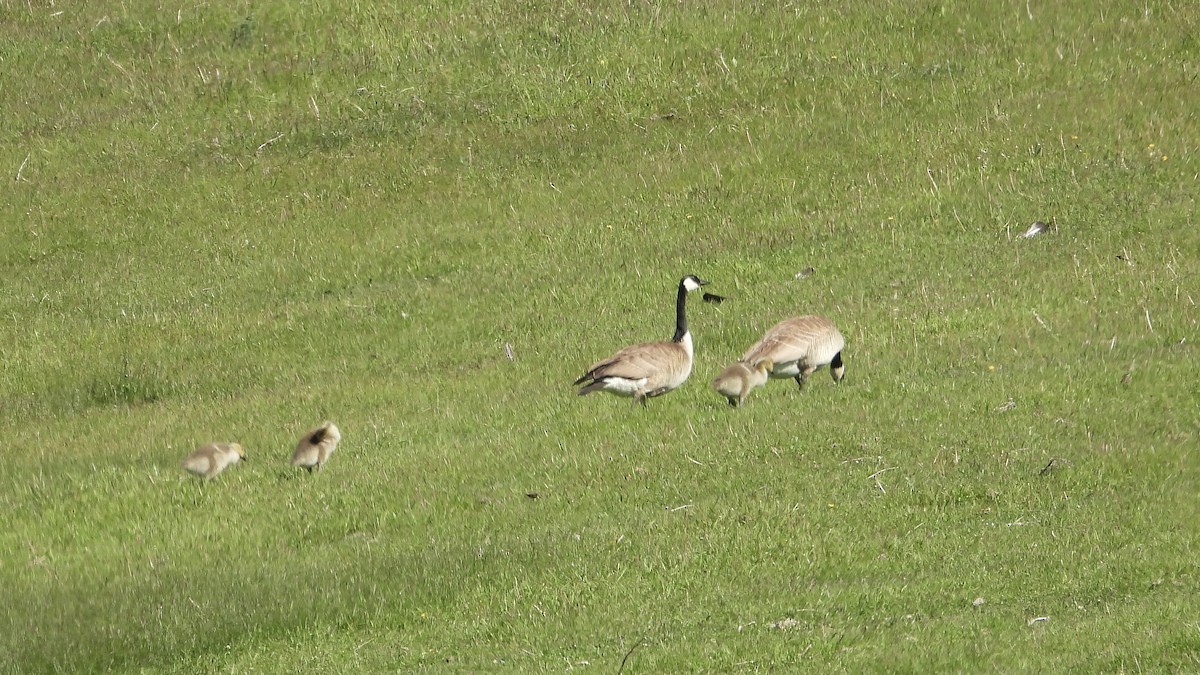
{"x": 229, "y": 222}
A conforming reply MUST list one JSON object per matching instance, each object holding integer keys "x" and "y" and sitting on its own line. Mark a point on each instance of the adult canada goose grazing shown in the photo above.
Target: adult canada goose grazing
{"x": 800, "y": 345}
{"x": 648, "y": 369}
{"x": 209, "y": 460}
{"x": 736, "y": 381}
{"x": 317, "y": 445}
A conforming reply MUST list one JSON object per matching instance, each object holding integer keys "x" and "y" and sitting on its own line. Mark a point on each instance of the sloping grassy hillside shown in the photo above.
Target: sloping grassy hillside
{"x": 230, "y": 221}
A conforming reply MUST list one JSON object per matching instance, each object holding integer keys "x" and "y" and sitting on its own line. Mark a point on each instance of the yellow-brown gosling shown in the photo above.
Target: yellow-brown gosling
{"x": 317, "y": 445}
{"x": 737, "y": 381}
{"x": 209, "y": 460}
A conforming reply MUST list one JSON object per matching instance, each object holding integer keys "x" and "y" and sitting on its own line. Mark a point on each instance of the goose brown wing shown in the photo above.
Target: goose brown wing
{"x": 783, "y": 343}
{"x": 796, "y": 338}
{"x": 638, "y": 361}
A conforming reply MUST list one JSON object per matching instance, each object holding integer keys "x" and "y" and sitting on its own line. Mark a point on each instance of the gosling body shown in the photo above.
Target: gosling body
{"x": 210, "y": 460}
{"x": 314, "y": 449}
{"x": 740, "y": 378}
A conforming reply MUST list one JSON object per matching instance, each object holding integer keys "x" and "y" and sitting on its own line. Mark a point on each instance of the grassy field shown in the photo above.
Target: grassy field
{"x": 230, "y": 221}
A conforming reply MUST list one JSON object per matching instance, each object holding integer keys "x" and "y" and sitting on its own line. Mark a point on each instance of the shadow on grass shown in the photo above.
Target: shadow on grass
{"x": 177, "y": 611}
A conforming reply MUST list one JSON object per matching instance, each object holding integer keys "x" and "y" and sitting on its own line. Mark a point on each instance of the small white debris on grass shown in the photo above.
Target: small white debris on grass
{"x": 270, "y": 141}
{"x": 784, "y": 624}
{"x": 21, "y": 169}
{"x": 1041, "y": 322}
{"x": 1038, "y": 227}
{"x": 978, "y": 602}
{"x": 1037, "y": 619}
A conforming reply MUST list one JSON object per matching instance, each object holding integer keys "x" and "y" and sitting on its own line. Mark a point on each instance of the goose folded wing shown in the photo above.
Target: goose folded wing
{"x": 638, "y": 361}
{"x": 780, "y": 347}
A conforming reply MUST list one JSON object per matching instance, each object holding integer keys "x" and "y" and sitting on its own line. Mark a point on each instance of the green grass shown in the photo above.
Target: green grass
{"x": 230, "y": 221}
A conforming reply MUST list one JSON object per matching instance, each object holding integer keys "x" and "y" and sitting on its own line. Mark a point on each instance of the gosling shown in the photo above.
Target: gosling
{"x": 209, "y": 460}
{"x": 737, "y": 381}
{"x": 317, "y": 445}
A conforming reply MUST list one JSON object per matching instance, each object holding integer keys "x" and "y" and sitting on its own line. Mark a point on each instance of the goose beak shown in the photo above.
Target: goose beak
{"x": 700, "y": 281}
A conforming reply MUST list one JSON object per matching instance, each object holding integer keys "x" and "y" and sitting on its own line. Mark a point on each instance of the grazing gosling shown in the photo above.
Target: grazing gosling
{"x": 209, "y": 460}
{"x": 737, "y": 381}
{"x": 648, "y": 369}
{"x": 317, "y": 445}
{"x": 799, "y": 346}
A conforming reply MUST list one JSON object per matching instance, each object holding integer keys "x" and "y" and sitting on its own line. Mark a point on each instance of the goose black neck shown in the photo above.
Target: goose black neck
{"x": 681, "y": 328}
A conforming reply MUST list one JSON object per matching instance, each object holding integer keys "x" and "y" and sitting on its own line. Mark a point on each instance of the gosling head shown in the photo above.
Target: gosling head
{"x": 765, "y": 366}
{"x": 326, "y": 433}
{"x": 241, "y": 451}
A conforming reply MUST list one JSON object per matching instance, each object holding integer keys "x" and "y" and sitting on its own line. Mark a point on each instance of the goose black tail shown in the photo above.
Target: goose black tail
{"x": 595, "y": 386}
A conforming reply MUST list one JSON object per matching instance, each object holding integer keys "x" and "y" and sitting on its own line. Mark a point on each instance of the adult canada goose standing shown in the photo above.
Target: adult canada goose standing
{"x": 648, "y": 369}
{"x": 317, "y": 445}
{"x": 736, "y": 381}
{"x": 209, "y": 460}
{"x": 800, "y": 345}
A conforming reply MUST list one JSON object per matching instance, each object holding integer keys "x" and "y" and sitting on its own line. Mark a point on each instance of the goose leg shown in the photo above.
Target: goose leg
{"x": 802, "y": 378}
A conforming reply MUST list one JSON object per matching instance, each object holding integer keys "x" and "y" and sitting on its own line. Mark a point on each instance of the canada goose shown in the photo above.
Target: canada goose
{"x": 648, "y": 369}
{"x": 210, "y": 460}
{"x": 736, "y": 381}
{"x": 800, "y": 345}
{"x": 317, "y": 445}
